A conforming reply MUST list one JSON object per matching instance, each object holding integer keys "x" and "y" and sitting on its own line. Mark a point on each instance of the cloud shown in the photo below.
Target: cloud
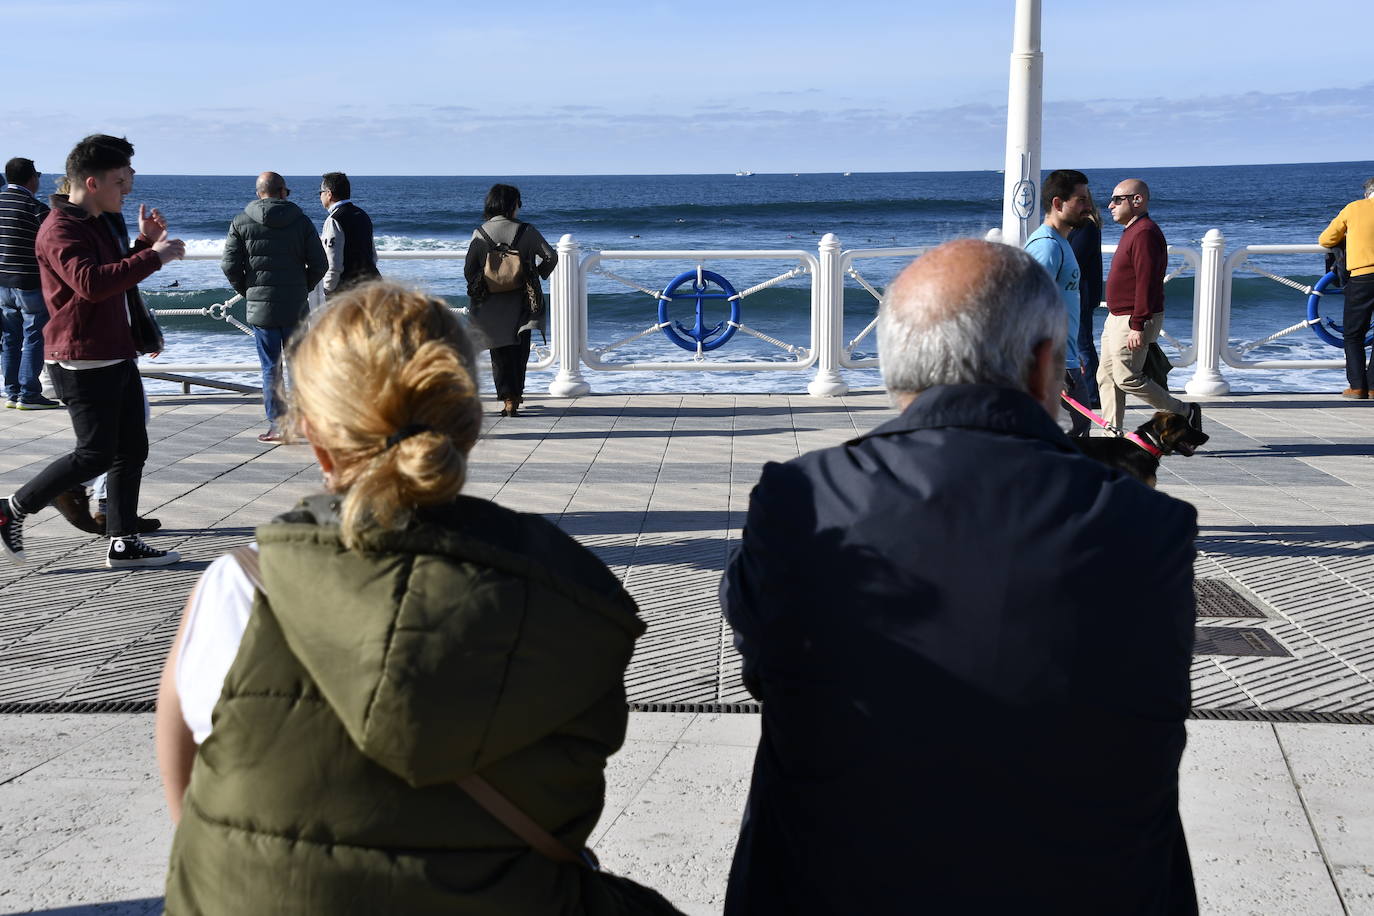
{"x": 1329, "y": 124}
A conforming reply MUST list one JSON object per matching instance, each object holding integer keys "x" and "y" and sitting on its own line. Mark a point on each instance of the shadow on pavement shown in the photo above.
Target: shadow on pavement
{"x": 144, "y": 907}
{"x": 1286, "y": 540}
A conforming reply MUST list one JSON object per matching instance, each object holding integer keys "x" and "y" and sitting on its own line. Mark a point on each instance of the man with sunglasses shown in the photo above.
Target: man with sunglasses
{"x": 273, "y": 259}
{"x": 1135, "y": 299}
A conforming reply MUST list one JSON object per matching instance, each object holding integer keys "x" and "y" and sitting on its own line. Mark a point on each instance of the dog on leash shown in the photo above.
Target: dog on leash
{"x": 1165, "y": 433}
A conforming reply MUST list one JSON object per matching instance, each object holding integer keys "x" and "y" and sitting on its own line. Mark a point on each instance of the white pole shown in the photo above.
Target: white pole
{"x": 1025, "y": 92}
{"x": 566, "y": 292}
{"x": 827, "y": 321}
{"x": 1208, "y": 335}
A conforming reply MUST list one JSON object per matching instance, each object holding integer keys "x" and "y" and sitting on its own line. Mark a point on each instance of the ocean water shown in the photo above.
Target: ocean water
{"x": 1269, "y": 204}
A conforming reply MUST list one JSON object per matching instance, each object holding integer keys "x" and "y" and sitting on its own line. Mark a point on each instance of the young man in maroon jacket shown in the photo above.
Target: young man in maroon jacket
{"x": 89, "y": 347}
{"x": 1135, "y": 299}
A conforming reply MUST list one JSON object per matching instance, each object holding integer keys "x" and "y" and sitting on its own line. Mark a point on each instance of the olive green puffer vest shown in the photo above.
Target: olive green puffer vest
{"x": 477, "y": 640}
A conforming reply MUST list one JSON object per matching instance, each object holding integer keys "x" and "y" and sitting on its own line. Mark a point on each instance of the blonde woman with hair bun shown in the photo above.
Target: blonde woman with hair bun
{"x": 333, "y": 702}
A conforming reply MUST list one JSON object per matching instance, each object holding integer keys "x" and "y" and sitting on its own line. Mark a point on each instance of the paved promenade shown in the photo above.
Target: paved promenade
{"x": 1278, "y": 784}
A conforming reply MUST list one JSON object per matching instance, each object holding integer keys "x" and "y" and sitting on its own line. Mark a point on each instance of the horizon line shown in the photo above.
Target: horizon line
{"x": 756, "y": 174}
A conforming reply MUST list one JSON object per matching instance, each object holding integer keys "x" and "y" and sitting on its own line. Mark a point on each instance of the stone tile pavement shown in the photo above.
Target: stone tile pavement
{"x": 1278, "y": 813}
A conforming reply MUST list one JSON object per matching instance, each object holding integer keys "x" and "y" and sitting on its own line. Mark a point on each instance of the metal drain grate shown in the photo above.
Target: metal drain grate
{"x": 1238, "y": 641}
{"x": 57, "y": 707}
{"x": 1298, "y": 716}
{"x": 1216, "y": 598}
{"x": 697, "y": 707}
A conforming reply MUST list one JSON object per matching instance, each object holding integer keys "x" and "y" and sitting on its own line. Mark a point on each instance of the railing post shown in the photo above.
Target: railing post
{"x": 1211, "y": 280}
{"x": 568, "y": 310}
{"x": 827, "y": 321}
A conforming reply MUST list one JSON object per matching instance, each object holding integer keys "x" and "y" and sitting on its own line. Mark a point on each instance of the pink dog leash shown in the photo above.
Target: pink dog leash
{"x": 1114, "y": 430}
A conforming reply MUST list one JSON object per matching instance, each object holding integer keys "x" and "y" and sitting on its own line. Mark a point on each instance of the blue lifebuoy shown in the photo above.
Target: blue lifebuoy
{"x": 697, "y": 336}
{"x": 1327, "y": 329}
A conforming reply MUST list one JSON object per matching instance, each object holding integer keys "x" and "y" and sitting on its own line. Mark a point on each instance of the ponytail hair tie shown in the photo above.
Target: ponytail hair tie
{"x": 405, "y": 432}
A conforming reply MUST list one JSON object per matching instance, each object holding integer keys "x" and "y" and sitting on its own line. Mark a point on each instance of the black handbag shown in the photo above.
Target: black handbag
{"x": 1157, "y": 366}
{"x": 147, "y": 334}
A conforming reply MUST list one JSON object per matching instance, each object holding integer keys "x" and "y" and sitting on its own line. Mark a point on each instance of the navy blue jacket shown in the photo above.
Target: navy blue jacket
{"x": 972, "y": 645}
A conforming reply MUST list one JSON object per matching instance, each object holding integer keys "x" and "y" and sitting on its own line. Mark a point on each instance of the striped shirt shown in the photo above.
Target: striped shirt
{"x": 20, "y": 215}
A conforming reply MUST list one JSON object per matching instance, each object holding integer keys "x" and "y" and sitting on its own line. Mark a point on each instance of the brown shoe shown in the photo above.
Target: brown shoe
{"x": 1356, "y": 394}
{"x": 75, "y": 507}
{"x": 512, "y": 410}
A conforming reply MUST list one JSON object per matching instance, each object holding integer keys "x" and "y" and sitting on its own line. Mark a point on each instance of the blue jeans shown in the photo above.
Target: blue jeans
{"x": 270, "y": 343}
{"x": 22, "y": 316}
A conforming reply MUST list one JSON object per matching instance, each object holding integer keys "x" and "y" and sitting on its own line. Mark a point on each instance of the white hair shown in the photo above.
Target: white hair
{"x": 986, "y": 335}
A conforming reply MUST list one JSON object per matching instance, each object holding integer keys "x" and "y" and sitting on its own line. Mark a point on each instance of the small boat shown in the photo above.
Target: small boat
{"x": 847, "y": 174}
{"x": 744, "y": 173}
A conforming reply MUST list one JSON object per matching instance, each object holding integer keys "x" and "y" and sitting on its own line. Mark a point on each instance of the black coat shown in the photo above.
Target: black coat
{"x": 498, "y": 318}
{"x": 972, "y": 644}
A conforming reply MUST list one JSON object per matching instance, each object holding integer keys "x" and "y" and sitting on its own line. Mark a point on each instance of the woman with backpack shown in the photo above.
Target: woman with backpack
{"x": 402, "y": 701}
{"x": 506, "y": 262}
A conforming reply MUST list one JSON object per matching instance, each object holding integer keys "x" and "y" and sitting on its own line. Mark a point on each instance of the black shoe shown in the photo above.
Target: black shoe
{"x": 1195, "y": 416}
{"x": 36, "y": 402}
{"x": 11, "y": 532}
{"x": 75, "y": 507}
{"x": 132, "y": 551}
{"x": 142, "y": 526}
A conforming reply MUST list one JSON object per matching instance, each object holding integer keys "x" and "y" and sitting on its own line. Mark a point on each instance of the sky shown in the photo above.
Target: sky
{"x": 421, "y": 87}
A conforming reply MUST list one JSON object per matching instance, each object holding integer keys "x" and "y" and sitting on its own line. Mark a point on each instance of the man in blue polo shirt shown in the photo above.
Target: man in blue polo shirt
{"x": 1068, "y": 203}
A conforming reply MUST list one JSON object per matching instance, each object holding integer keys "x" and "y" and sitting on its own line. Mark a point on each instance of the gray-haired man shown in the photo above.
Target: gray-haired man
{"x": 921, "y": 611}
{"x": 273, "y": 259}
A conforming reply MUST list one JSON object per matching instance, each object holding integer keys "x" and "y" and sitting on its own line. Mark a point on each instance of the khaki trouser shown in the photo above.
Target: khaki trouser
{"x": 1118, "y": 372}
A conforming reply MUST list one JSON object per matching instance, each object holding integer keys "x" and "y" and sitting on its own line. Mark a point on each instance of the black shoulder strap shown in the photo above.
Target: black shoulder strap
{"x": 483, "y": 233}
{"x": 519, "y": 232}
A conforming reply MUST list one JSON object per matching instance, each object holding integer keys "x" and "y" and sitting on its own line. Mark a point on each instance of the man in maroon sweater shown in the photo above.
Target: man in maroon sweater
{"x": 89, "y": 347}
{"x": 1135, "y": 299}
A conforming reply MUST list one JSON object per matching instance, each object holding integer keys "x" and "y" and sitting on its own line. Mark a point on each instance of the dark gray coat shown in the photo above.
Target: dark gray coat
{"x": 273, "y": 258}
{"x": 972, "y": 644}
{"x": 499, "y": 317}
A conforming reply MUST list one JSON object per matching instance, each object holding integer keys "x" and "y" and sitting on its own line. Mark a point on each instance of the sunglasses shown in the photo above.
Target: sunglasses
{"x": 1119, "y": 198}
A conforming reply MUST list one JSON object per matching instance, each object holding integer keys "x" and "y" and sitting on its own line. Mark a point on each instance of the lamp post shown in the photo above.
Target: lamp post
{"x": 1025, "y": 101}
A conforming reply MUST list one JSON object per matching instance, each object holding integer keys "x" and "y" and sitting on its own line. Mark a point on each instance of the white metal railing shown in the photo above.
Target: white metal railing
{"x": 1190, "y": 257}
{"x": 803, "y": 356}
{"x": 221, "y": 311}
{"x": 849, "y": 269}
{"x": 827, "y": 352}
{"x": 1235, "y": 355}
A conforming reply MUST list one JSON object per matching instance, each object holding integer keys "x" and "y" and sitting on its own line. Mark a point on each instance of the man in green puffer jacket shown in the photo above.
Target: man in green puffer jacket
{"x": 273, "y": 259}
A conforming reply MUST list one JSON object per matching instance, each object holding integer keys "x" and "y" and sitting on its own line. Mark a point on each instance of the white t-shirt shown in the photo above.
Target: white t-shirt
{"x": 215, "y": 621}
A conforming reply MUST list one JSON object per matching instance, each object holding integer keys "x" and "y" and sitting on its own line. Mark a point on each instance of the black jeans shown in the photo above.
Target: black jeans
{"x": 508, "y": 368}
{"x": 106, "y": 407}
{"x": 1359, "y": 305}
{"x": 1087, "y": 351}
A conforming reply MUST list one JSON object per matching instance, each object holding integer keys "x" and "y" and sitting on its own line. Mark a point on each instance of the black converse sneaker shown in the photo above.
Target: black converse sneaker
{"x": 11, "y": 532}
{"x": 132, "y": 551}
